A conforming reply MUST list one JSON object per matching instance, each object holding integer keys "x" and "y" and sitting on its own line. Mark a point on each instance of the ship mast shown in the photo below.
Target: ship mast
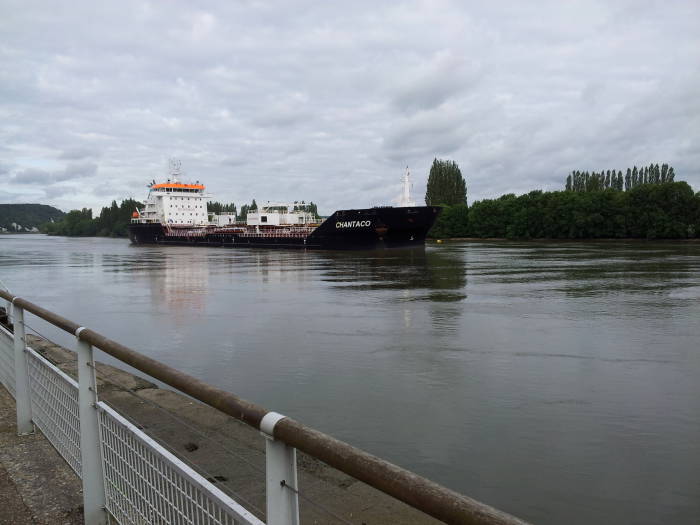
{"x": 175, "y": 169}
{"x": 405, "y": 200}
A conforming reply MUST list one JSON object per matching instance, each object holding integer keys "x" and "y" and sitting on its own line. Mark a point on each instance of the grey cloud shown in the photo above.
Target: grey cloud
{"x": 234, "y": 161}
{"x": 54, "y": 192}
{"x": 590, "y": 93}
{"x": 45, "y": 177}
{"x": 79, "y": 153}
{"x": 109, "y": 193}
{"x": 280, "y": 119}
{"x": 338, "y": 100}
{"x": 432, "y": 85}
{"x": 20, "y": 197}
{"x": 77, "y": 171}
{"x": 438, "y": 132}
{"x": 31, "y": 176}
{"x": 425, "y": 93}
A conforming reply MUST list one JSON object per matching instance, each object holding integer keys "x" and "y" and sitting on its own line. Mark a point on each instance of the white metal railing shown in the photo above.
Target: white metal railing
{"x": 129, "y": 475}
{"x": 54, "y": 402}
{"x": 144, "y": 483}
{"x": 7, "y": 361}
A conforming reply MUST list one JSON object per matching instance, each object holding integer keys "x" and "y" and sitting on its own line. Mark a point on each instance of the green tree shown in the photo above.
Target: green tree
{"x": 113, "y": 221}
{"x": 245, "y": 209}
{"x": 452, "y": 222}
{"x": 446, "y": 186}
{"x": 611, "y": 179}
{"x": 666, "y": 210}
{"x": 219, "y": 208}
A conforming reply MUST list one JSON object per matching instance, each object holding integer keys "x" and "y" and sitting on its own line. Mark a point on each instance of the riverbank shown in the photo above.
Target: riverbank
{"x": 548, "y": 239}
{"x": 227, "y": 452}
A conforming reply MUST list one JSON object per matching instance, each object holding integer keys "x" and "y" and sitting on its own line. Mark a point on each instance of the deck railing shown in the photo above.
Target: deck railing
{"x": 135, "y": 480}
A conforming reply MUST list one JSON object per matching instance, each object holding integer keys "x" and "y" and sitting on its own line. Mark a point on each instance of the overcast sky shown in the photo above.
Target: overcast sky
{"x": 329, "y": 101}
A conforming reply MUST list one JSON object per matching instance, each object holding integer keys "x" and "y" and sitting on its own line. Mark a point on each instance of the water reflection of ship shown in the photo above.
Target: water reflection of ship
{"x": 434, "y": 276}
{"x": 278, "y": 267}
{"x": 182, "y": 284}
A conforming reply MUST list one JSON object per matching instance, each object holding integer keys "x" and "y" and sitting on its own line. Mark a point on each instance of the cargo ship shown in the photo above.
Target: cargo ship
{"x": 175, "y": 213}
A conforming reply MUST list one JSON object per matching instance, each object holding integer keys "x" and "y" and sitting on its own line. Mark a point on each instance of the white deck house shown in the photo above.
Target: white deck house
{"x": 173, "y": 202}
{"x": 281, "y": 214}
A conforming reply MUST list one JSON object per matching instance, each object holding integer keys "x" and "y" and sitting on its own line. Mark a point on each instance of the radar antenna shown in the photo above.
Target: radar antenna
{"x": 175, "y": 168}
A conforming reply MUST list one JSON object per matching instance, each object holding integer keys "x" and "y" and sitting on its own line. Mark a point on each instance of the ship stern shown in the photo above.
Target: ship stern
{"x": 145, "y": 233}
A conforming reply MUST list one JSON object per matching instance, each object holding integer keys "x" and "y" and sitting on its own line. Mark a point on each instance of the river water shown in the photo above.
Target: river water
{"x": 556, "y": 381}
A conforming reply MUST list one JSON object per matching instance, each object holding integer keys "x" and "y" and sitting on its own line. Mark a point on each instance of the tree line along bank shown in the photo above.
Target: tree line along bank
{"x": 113, "y": 220}
{"x": 647, "y": 205}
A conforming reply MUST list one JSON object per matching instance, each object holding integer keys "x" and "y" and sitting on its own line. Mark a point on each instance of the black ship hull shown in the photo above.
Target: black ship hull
{"x": 366, "y": 229}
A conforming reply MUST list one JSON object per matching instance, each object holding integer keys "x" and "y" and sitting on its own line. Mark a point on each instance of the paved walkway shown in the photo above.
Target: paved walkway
{"x": 36, "y": 485}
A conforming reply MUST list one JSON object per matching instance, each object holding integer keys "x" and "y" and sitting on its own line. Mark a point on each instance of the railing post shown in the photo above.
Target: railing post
{"x": 22, "y": 400}
{"x": 90, "y": 453}
{"x": 281, "y": 476}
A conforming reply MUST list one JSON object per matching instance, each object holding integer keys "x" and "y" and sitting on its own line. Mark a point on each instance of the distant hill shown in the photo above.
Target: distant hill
{"x": 26, "y": 217}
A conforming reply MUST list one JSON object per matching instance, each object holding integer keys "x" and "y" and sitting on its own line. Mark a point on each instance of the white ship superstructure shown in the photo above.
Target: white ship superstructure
{"x": 174, "y": 202}
{"x": 281, "y": 214}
